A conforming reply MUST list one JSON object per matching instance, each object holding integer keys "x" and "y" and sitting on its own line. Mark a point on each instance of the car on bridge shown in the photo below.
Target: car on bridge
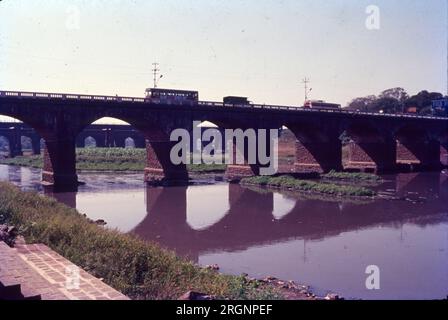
{"x": 171, "y": 96}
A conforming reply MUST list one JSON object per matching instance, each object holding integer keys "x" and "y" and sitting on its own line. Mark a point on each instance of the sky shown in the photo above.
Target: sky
{"x": 256, "y": 48}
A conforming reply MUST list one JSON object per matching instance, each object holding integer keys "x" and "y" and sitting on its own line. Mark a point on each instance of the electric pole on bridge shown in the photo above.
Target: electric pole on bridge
{"x": 155, "y": 70}
{"x": 305, "y": 81}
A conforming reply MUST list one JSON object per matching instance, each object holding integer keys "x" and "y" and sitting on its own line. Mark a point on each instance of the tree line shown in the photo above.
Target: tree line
{"x": 397, "y": 100}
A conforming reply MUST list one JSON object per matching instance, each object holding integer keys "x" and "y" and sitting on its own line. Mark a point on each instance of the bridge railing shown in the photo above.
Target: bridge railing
{"x": 320, "y": 110}
{"x": 69, "y": 96}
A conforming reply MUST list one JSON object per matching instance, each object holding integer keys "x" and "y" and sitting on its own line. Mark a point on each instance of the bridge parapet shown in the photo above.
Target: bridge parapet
{"x": 105, "y": 98}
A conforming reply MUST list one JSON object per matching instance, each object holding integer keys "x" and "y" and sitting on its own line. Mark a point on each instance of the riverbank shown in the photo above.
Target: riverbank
{"x": 287, "y": 182}
{"x": 139, "y": 269}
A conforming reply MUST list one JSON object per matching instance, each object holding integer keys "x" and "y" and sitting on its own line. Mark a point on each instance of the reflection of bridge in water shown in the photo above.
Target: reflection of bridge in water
{"x": 250, "y": 220}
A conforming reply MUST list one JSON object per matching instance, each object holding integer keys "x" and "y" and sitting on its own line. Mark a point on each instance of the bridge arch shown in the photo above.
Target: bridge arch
{"x": 212, "y": 132}
{"x": 287, "y": 150}
{"x": 129, "y": 142}
{"x": 229, "y": 149}
{"x": 5, "y": 148}
{"x": 159, "y": 168}
{"x": 19, "y": 136}
{"x": 205, "y": 211}
{"x": 317, "y": 148}
{"x": 370, "y": 148}
{"x": 282, "y": 205}
{"x": 416, "y": 147}
{"x": 90, "y": 142}
{"x": 32, "y": 141}
{"x": 26, "y": 143}
{"x": 59, "y": 152}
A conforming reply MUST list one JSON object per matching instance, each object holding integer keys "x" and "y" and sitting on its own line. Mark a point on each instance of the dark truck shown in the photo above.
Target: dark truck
{"x": 236, "y": 100}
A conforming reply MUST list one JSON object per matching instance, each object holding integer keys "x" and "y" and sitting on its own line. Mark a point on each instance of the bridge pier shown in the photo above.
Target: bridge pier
{"x": 15, "y": 147}
{"x": 80, "y": 141}
{"x": 235, "y": 171}
{"x": 15, "y": 142}
{"x": 372, "y": 153}
{"x": 159, "y": 169}
{"x": 101, "y": 140}
{"x": 35, "y": 141}
{"x": 444, "y": 153}
{"x": 316, "y": 150}
{"x": 166, "y": 220}
{"x": 119, "y": 142}
{"x": 318, "y": 156}
{"x": 139, "y": 141}
{"x": 419, "y": 154}
{"x": 257, "y": 206}
{"x": 59, "y": 168}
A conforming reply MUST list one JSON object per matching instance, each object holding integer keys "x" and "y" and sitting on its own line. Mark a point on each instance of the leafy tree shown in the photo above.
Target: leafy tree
{"x": 396, "y": 93}
{"x": 362, "y": 103}
{"x": 387, "y": 105}
{"x": 396, "y": 100}
{"x": 423, "y": 101}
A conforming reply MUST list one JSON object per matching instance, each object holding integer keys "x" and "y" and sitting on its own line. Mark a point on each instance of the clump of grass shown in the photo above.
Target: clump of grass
{"x": 291, "y": 183}
{"x": 351, "y": 176}
{"x": 34, "y": 161}
{"x": 111, "y": 159}
{"x": 206, "y": 167}
{"x": 139, "y": 269}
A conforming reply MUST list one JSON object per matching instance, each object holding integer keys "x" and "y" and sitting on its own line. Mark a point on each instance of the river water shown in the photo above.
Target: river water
{"x": 324, "y": 243}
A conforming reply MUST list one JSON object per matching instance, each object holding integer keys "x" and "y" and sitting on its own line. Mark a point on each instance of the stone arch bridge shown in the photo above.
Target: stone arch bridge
{"x": 379, "y": 141}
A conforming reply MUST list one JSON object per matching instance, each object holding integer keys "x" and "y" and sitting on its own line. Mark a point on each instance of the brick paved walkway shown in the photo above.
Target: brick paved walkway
{"x": 38, "y": 270}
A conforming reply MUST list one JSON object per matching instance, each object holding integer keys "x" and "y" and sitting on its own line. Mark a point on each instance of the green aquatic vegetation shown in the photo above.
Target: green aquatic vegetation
{"x": 291, "y": 183}
{"x": 351, "y": 176}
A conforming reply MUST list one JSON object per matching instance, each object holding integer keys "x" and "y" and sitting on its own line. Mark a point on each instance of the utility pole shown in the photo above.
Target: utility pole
{"x": 155, "y": 71}
{"x": 305, "y": 81}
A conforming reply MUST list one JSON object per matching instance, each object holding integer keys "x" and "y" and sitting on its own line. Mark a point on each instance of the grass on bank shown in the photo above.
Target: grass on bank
{"x": 139, "y": 269}
{"x": 291, "y": 183}
{"x": 108, "y": 159}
